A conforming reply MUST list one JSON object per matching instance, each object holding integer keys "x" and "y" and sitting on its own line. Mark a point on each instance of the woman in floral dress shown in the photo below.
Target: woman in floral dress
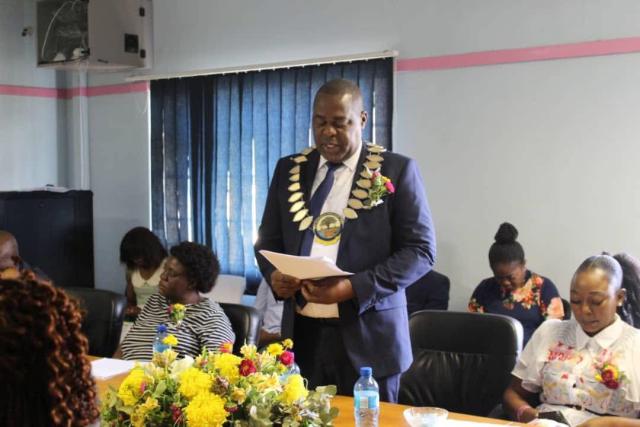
{"x": 588, "y": 369}
{"x": 513, "y": 290}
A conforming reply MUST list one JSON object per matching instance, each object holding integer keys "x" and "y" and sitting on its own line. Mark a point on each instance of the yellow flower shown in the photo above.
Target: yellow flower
{"x": 265, "y": 359}
{"x": 264, "y": 383}
{"x": 140, "y": 414}
{"x": 288, "y": 344}
{"x": 294, "y": 389}
{"x": 149, "y": 405}
{"x": 137, "y": 419}
{"x": 193, "y": 381}
{"x": 178, "y": 307}
{"x": 131, "y": 388}
{"x": 170, "y": 340}
{"x": 206, "y": 410}
{"x": 164, "y": 358}
{"x": 238, "y": 395}
{"x": 248, "y": 351}
{"x": 275, "y": 349}
{"x": 227, "y": 364}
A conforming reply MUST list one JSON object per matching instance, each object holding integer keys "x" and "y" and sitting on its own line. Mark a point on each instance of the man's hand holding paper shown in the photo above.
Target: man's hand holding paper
{"x": 329, "y": 290}
{"x": 283, "y": 285}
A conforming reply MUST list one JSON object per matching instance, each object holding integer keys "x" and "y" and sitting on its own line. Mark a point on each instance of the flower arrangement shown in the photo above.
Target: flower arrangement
{"x": 219, "y": 388}
{"x": 380, "y": 187}
{"x": 176, "y": 313}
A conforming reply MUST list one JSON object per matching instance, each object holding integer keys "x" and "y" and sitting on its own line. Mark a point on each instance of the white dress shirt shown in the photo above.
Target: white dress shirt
{"x": 336, "y": 202}
{"x": 270, "y": 309}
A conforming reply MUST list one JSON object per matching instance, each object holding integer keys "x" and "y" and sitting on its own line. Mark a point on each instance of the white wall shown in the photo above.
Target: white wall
{"x": 120, "y": 175}
{"x": 201, "y": 34}
{"x": 549, "y": 146}
{"x": 32, "y": 144}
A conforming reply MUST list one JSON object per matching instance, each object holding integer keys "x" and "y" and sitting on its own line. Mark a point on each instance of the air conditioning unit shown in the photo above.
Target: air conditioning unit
{"x": 99, "y": 35}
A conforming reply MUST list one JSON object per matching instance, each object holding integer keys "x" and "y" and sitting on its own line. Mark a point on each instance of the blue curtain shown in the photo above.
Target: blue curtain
{"x": 215, "y": 141}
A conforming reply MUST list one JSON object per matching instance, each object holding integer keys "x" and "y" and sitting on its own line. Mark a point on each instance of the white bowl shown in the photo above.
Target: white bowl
{"x": 427, "y": 416}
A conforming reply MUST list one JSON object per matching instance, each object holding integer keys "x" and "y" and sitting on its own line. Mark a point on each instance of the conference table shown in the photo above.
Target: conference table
{"x": 390, "y": 414}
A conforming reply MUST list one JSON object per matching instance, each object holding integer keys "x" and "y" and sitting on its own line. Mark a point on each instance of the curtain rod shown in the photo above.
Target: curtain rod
{"x": 261, "y": 67}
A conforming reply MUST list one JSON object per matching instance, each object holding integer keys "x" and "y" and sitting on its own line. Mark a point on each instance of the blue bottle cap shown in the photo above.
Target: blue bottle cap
{"x": 161, "y": 328}
{"x": 365, "y": 371}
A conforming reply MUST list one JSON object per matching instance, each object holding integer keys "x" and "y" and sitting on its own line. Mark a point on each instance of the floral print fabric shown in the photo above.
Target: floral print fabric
{"x": 592, "y": 375}
{"x": 536, "y": 301}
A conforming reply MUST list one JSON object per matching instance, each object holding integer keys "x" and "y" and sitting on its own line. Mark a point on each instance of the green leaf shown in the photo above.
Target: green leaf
{"x": 160, "y": 389}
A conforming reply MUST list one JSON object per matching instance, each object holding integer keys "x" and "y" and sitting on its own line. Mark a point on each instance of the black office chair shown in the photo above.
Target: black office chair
{"x": 245, "y": 322}
{"x": 567, "y": 309}
{"x": 102, "y": 323}
{"x": 462, "y": 361}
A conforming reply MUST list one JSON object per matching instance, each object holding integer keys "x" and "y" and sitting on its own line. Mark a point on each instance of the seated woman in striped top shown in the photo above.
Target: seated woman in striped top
{"x": 190, "y": 270}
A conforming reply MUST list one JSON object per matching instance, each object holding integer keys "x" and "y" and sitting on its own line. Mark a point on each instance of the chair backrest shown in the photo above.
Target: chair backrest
{"x": 462, "y": 361}
{"x": 102, "y": 323}
{"x": 228, "y": 289}
{"x": 567, "y": 309}
{"x": 245, "y": 322}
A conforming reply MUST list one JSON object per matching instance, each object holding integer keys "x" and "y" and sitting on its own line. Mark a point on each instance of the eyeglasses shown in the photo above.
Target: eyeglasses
{"x": 173, "y": 274}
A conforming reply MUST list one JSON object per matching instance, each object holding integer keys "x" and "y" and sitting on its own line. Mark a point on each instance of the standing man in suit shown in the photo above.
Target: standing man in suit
{"x": 366, "y": 209}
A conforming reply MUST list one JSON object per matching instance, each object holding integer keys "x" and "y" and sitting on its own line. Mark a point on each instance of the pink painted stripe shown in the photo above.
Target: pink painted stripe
{"x": 39, "y": 92}
{"x": 45, "y": 92}
{"x": 527, "y": 54}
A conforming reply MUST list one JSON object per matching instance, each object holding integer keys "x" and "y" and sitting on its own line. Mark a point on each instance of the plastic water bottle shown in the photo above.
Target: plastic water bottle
{"x": 366, "y": 399}
{"x": 161, "y": 334}
{"x": 292, "y": 370}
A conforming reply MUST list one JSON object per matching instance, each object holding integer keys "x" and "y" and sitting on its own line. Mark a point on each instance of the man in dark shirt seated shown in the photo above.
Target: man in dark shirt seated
{"x": 11, "y": 264}
{"x": 430, "y": 292}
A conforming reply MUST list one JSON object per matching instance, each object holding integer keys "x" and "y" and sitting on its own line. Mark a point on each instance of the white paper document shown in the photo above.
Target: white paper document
{"x": 107, "y": 368}
{"x": 304, "y": 267}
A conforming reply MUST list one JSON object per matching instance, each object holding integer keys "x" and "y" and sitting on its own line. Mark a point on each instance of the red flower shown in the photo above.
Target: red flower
{"x": 608, "y": 376}
{"x": 176, "y": 413}
{"x": 247, "y": 367}
{"x": 389, "y": 186}
{"x": 170, "y": 309}
{"x": 226, "y": 347}
{"x": 143, "y": 387}
{"x": 612, "y": 384}
{"x": 375, "y": 174}
{"x": 231, "y": 409}
{"x": 286, "y": 358}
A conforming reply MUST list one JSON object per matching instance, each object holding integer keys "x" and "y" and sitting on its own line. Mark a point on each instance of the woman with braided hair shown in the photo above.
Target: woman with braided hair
{"x": 44, "y": 371}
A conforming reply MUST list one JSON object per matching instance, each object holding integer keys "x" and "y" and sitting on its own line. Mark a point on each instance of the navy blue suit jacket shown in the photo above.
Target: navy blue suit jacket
{"x": 388, "y": 248}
